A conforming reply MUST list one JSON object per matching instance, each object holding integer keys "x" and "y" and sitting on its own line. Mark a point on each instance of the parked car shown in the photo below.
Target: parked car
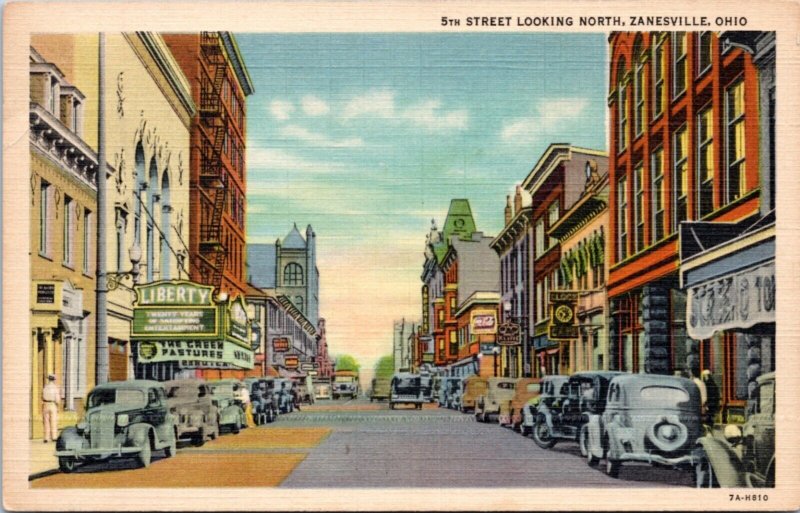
{"x": 304, "y": 394}
{"x": 406, "y": 388}
{"x": 381, "y": 389}
{"x": 323, "y": 388}
{"x": 743, "y": 456}
{"x": 231, "y": 409}
{"x": 426, "y": 382}
{"x": 498, "y": 391}
{"x": 472, "y": 388}
{"x": 193, "y": 404}
{"x": 283, "y": 390}
{"x": 450, "y": 387}
{"x": 649, "y": 418}
{"x": 553, "y": 392}
{"x": 566, "y": 420}
{"x": 122, "y": 419}
{"x": 511, "y": 411}
{"x": 263, "y": 400}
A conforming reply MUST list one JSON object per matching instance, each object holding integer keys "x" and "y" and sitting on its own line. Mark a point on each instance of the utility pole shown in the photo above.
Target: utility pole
{"x": 101, "y": 312}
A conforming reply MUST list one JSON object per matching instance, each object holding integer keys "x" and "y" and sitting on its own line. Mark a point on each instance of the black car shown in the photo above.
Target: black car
{"x": 567, "y": 419}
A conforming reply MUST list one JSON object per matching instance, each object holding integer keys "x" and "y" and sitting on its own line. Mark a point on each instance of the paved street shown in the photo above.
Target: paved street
{"x": 360, "y": 444}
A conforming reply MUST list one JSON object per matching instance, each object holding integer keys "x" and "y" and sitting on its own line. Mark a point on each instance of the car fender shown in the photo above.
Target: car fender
{"x": 139, "y": 434}
{"x": 614, "y": 449}
{"x": 595, "y": 433}
{"x": 548, "y": 419}
{"x": 726, "y": 464}
{"x": 70, "y": 439}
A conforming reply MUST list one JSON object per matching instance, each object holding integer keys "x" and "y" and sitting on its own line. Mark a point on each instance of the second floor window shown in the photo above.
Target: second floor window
{"x": 44, "y": 218}
{"x": 87, "y": 241}
{"x": 680, "y": 154}
{"x": 622, "y": 106}
{"x": 638, "y": 206}
{"x": 69, "y": 229}
{"x": 552, "y": 219}
{"x": 540, "y": 235}
{"x": 622, "y": 219}
{"x": 734, "y": 120}
{"x": 659, "y": 72}
{"x": 293, "y": 274}
{"x": 658, "y": 195}
{"x": 705, "y": 163}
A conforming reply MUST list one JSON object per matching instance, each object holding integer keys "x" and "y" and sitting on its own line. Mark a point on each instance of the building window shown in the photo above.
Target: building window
{"x": 299, "y": 303}
{"x": 54, "y": 93}
{"x": 680, "y": 143}
{"x": 679, "y": 75}
{"x": 703, "y": 52}
{"x": 638, "y": 206}
{"x": 121, "y": 222}
{"x": 705, "y": 163}
{"x": 69, "y": 230}
{"x": 293, "y": 274}
{"x": 734, "y": 120}
{"x": 539, "y": 248}
{"x": 622, "y": 219}
{"x": 659, "y": 72}
{"x": 658, "y": 194}
{"x": 44, "y": 213}
{"x": 622, "y": 106}
{"x": 638, "y": 89}
{"x": 452, "y": 307}
{"x": 552, "y": 219}
{"x": 87, "y": 241}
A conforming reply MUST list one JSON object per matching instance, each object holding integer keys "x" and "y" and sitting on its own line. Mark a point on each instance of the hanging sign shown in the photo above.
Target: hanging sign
{"x": 563, "y": 315}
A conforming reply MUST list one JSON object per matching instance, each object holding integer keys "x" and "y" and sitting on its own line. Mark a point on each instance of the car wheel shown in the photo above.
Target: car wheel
{"x": 523, "y": 430}
{"x": 583, "y": 440}
{"x": 200, "y": 438}
{"x": 213, "y": 435}
{"x": 612, "y": 467}
{"x": 67, "y": 464}
{"x": 704, "y": 473}
{"x": 236, "y": 427}
{"x": 145, "y": 453}
{"x": 541, "y": 434}
{"x": 172, "y": 448}
{"x": 419, "y": 406}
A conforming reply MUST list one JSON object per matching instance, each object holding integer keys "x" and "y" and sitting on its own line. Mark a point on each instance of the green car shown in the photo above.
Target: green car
{"x": 231, "y": 412}
{"x": 123, "y": 419}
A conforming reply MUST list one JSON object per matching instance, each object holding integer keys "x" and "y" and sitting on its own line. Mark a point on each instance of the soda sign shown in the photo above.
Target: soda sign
{"x": 484, "y": 322}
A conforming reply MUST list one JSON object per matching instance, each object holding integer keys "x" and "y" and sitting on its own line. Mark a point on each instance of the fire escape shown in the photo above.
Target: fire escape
{"x": 213, "y": 176}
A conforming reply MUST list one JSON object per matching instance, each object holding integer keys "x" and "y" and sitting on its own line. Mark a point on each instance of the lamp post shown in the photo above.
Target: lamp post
{"x": 495, "y": 353}
{"x": 135, "y": 256}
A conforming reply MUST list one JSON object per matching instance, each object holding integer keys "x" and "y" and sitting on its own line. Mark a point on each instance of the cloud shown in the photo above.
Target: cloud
{"x": 281, "y": 110}
{"x": 317, "y": 139}
{"x": 281, "y": 160}
{"x": 314, "y": 106}
{"x": 428, "y": 115}
{"x": 550, "y": 115}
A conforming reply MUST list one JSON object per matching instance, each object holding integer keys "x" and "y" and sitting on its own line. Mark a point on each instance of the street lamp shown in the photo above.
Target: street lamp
{"x": 135, "y": 256}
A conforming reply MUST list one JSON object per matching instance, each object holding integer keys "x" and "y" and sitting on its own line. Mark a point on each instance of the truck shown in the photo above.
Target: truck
{"x": 345, "y": 384}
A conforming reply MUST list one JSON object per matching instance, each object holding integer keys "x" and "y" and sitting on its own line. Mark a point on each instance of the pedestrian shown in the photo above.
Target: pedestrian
{"x": 244, "y": 397}
{"x": 50, "y": 399}
{"x": 712, "y": 397}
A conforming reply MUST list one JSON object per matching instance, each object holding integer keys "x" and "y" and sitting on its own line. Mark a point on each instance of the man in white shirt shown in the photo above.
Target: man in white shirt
{"x": 50, "y": 399}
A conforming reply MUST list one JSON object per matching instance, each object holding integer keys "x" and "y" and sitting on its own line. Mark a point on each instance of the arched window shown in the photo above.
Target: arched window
{"x": 299, "y": 303}
{"x": 152, "y": 198}
{"x": 622, "y": 106}
{"x": 638, "y": 86}
{"x": 166, "y": 211}
{"x": 293, "y": 274}
{"x": 137, "y": 221}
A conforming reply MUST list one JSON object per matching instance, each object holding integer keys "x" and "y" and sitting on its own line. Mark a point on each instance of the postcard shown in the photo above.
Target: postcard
{"x": 400, "y": 256}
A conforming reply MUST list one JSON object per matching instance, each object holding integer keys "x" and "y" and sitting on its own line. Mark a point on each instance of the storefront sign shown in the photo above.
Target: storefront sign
{"x": 563, "y": 309}
{"x": 291, "y": 361}
{"x": 280, "y": 345}
{"x": 174, "y": 293}
{"x": 46, "y": 293}
{"x": 237, "y": 317}
{"x": 196, "y": 353}
{"x": 508, "y": 334}
{"x": 484, "y": 322}
{"x": 307, "y": 366}
{"x": 178, "y": 322}
{"x": 734, "y": 301}
{"x": 427, "y": 358}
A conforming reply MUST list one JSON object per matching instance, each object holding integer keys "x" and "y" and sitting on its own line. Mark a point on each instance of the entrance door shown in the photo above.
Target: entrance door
{"x": 117, "y": 360}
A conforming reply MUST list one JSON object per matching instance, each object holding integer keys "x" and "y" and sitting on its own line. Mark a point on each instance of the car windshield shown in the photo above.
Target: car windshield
{"x": 121, "y": 396}
{"x": 667, "y": 396}
{"x": 406, "y": 384}
{"x": 344, "y": 379}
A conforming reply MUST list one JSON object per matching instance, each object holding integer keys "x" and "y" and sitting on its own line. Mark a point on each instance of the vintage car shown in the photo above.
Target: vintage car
{"x": 195, "y": 410}
{"x": 472, "y": 388}
{"x": 264, "y": 402}
{"x": 743, "y": 456}
{"x": 426, "y": 382}
{"x": 406, "y": 388}
{"x": 345, "y": 384}
{"x": 304, "y": 389}
{"x": 231, "y": 409}
{"x": 381, "y": 389}
{"x": 648, "y": 418}
{"x": 498, "y": 391}
{"x": 553, "y": 392}
{"x": 323, "y": 388}
{"x": 566, "y": 420}
{"x": 284, "y": 390}
{"x": 122, "y": 419}
{"x": 511, "y": 411}
{"x": 449, "y": 388}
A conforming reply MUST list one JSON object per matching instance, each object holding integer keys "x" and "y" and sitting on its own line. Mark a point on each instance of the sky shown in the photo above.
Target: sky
{"x": 367, "y": 137}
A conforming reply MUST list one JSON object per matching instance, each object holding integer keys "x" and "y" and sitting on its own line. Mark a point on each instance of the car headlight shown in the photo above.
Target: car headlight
{"x": 122, "y": 420}
{"x": 81, "y": 427}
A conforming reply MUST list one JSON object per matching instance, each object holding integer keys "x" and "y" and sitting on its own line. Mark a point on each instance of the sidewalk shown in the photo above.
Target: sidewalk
{"x": 42, "y": 459}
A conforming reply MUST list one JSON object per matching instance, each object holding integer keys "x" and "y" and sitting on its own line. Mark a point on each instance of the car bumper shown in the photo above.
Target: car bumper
{"x": 105, "y": 452}
{"x": 685, "y": 460}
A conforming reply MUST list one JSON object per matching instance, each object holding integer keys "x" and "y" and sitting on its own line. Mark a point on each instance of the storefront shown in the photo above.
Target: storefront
{"x": 728, "y": 273}
{"x": 180, "y": 330}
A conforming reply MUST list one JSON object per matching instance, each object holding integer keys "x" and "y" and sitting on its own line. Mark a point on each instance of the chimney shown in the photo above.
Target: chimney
{"x": 518, "y": 200}
{"x": 509, "y": 215}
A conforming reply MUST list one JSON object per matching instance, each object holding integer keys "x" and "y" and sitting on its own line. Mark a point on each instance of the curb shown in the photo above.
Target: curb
{"x": 44, "y": 473}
